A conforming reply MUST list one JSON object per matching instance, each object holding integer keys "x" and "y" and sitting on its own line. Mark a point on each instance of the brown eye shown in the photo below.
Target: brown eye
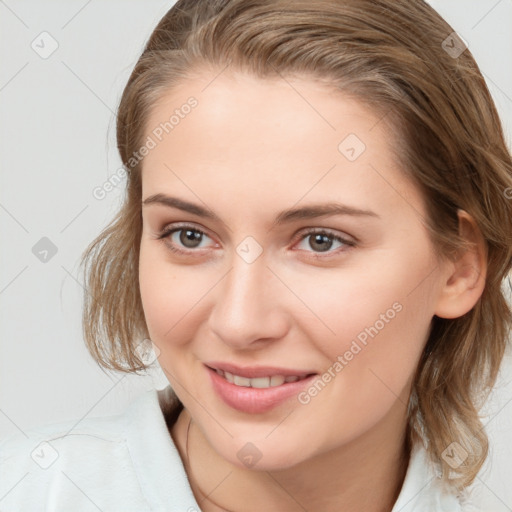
{"x": 190, "y": 237}
{"x": 183, "y": 239}
{"x": 322, "y": 241}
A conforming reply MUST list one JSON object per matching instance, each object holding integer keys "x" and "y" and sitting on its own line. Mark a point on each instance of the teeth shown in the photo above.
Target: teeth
{"x": 257, "y": 382}
{"x": 276, "y": 380}
{"x": 241, "y": 381}
{"x": 261, "y": 382}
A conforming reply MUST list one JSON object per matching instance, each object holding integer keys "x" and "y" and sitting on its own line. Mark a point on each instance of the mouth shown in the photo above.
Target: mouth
{"x": 267, "y": 381}
{"x": 256, "y": 390}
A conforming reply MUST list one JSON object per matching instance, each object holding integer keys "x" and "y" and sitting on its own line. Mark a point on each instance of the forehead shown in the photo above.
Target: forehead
{"x": 251, "y": 110}
{"x": 278, "y": 138}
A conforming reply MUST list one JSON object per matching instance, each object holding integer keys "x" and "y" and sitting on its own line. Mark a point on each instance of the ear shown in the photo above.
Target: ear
{"x": 465, "y": 277}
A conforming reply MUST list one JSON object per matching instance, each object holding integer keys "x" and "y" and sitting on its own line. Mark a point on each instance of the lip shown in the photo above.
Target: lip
{"x": 256, "y": 400}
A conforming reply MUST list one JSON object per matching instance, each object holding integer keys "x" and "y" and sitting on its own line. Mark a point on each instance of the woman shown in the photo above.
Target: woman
{"x": 314, "y": 237}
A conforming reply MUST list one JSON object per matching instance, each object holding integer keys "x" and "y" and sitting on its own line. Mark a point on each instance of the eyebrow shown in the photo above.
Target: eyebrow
{"x": 286, "y": 216}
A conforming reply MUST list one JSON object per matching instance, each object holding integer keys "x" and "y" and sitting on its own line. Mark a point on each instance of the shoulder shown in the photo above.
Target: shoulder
{"x": 424, "y": 491}
{"x": 94, "y": 463}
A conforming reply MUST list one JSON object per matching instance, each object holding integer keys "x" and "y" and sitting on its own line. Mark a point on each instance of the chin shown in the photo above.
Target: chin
{"x": 263, "y": 455}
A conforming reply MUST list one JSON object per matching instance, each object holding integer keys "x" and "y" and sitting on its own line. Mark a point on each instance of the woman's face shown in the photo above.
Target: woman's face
{"x": 254, "y": 287}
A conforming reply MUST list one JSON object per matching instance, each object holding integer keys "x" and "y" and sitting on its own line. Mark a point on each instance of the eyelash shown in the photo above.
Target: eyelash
{"x": 168, "y": 231}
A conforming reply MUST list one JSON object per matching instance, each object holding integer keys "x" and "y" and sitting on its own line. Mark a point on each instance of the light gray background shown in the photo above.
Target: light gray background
{"x": 57, "y": 143}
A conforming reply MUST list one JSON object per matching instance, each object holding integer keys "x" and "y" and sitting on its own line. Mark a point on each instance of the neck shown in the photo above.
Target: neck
{"x": 365, "y": 475}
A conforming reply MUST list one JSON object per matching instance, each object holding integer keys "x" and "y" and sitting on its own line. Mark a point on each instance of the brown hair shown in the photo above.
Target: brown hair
{"x": 391, "y": 55}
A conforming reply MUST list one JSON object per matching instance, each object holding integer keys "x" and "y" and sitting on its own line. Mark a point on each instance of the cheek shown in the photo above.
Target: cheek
{"x": 162, "y": 293}
{"x": 387, "y": 298}
{"x": 371, "y": 360}
{"x": 173, "y": 297}
{"x": 372, "y": 326}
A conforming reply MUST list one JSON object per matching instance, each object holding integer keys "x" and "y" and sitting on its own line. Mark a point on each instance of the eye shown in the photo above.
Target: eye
{"x": 182, "y": 239}
{"x": 322, "y": 241}
{"x": 186, "y": 239}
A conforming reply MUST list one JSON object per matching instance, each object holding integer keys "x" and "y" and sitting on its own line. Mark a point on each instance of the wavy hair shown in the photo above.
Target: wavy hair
{"x": 395, "y": 56}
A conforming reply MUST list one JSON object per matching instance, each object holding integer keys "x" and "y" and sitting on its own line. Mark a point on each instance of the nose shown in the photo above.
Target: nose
{"x": 249, "y": 308}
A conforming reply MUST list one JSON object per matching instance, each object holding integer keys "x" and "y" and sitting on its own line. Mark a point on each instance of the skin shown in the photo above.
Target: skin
{"x": 250, "y": 149}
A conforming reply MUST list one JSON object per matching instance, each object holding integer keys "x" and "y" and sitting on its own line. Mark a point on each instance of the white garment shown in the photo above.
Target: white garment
{"x": 129, "y": 463}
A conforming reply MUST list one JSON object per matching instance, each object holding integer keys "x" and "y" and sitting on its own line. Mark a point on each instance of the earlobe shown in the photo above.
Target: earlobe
{"x": 465, "y": 276}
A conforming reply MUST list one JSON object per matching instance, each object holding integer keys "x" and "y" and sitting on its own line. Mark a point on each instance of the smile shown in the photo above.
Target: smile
{"x": 258, "y": 382}
{"x": 264, "y": 390}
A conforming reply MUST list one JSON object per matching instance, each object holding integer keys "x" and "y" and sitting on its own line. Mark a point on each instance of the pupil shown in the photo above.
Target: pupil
{"x": 190, "y": 236}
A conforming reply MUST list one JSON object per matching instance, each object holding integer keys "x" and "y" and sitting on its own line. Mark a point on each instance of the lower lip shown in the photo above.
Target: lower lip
{"x": 255, "y": 400}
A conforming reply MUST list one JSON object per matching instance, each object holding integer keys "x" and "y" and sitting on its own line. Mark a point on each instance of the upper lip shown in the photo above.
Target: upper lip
{"x": 251, "y": 372}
